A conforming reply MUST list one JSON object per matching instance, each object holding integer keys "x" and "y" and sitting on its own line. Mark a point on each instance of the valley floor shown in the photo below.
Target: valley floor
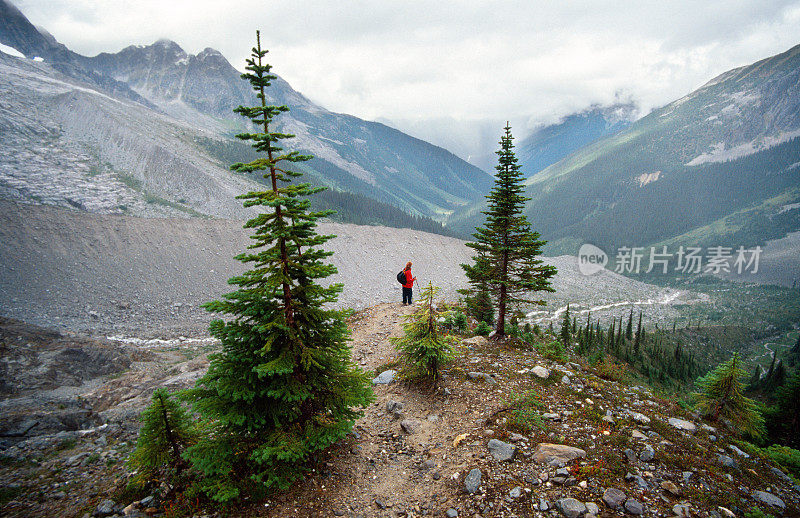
{"x": 415, "y": 460}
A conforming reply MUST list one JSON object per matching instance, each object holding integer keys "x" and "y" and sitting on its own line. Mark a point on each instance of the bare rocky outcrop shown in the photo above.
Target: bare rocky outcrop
{"x": 40, "y": 359}
{"x": 43, "y": 375}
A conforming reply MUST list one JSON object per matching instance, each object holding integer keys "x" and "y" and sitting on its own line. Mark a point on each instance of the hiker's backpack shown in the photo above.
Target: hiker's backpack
{"x": 401, "y": 277}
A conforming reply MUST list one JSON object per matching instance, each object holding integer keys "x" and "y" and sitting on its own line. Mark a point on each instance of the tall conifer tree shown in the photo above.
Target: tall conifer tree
{"x": 507, "y": 251}
{"x": 610, "y": 339}
{"x": 784, "y": 418}
{"x": 639, "y": 337}
{"x": 565, "y": 328}
{"x": 283, "y": 387}
{"x": 629, "y": 328}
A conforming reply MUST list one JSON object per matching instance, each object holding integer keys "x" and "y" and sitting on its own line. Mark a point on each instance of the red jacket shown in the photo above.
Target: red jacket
{"x": 409, "y": 280}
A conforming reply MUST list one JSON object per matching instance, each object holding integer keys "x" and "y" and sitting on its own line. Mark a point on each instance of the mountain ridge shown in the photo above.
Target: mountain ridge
{"x": 551, "y": 143}
{"x": 319, "y": 131}
{"x": 197, "y": 93}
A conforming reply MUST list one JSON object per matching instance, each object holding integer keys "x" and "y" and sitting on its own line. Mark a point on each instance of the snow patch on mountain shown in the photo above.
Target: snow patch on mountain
{"x": 673, "y": 105}
{"x": 11, "y": 51}
{"x": 788, "y": 207}
{"x": 720, "y": 152}
{"x": 745, "y": 97}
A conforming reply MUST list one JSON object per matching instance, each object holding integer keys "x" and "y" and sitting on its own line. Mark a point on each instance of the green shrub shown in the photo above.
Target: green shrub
{"x": 455, "y": 321}
{"x": 608, "y": 369}
{"x": 552, "y": 350}
{"x": 460, "y": 321}
{"x": 513, "y": 330}
{"x": 482, "y": 329}
{"x": 8, "y": 493}
{"x": 66, "y": 444}
{"x": 447, "y": 322}
{"x": 6, "y": 460}
{"x": 787, "y": 457}
{"x": 524, "y": 411}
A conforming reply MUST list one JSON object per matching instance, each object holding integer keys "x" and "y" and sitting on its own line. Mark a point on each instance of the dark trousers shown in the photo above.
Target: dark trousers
{"x": 406, "y": 295}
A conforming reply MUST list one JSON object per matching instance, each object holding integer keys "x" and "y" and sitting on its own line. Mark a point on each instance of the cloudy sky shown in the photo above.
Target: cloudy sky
{"x": 529, "y": 61}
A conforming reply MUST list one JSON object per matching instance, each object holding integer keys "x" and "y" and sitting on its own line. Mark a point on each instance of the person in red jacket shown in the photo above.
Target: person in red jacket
{"x": 407, "y": 293}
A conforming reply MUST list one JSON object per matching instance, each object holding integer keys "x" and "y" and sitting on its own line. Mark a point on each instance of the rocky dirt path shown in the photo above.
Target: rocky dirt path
{"x": 371, "y": 330}
{"x": 396, "y": 462}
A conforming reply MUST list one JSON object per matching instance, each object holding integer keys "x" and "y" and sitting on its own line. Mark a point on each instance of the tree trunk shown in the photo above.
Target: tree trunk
{"x": 500, "y": 330}
{"x": 288, "y": 309}
{"x": 168, "y": 431}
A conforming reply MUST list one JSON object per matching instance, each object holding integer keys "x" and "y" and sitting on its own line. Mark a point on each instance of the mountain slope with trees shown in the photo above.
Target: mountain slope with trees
{"x": 718, "y": 166}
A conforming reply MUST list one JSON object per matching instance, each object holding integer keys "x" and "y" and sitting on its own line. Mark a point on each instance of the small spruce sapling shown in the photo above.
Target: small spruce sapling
{"x": 460, "y": 322}
{"x": 482, "y": 329}
{"x": 167, "y": 429}
{"x": 422, "y": 348}
{"x": 720, "y": 396}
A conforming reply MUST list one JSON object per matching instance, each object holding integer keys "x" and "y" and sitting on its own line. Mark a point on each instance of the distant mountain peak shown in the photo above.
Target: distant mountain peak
{"x": 192, "y": 98}
{"x": 208, "y": 51}
{"x": 167, "y": 48}
{"x": 167, "y": 43}
{"x": 16, "y": 31}
{"x": 209, "y": 55}
{"x": 551, "y": 143}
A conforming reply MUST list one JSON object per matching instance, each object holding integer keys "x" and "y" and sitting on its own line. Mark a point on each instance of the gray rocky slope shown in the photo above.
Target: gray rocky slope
{"x": 146, "y": 277}
{"x": 67, "y": 144}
